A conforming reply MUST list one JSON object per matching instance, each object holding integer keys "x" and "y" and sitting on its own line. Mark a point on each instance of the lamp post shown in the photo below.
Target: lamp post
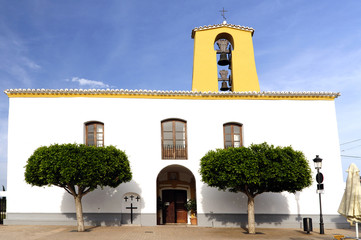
{"x": 319, "y": 179}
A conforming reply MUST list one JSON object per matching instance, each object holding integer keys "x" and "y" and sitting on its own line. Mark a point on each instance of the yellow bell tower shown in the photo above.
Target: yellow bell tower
{"x": 235, "y": 51}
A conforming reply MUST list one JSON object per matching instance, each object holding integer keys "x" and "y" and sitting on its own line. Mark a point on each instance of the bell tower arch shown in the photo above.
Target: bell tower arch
{"x": 234, "y": 45}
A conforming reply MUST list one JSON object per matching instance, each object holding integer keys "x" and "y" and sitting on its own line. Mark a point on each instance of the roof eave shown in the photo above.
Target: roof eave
{"x": 170, "y": 93}
{"x": 221, "y": 25}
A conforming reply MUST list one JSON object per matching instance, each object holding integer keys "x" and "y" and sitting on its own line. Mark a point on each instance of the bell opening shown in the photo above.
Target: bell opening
{"x": 223, "y": 48}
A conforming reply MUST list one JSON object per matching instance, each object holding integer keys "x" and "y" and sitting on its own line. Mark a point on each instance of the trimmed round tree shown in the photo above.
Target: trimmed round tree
{"x": 254, "y": 170}
{"x": 79, "y": 169}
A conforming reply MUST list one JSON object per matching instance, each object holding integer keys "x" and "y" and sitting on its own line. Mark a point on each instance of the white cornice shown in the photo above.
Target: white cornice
{"x": 168, "y": 93}
{"x": 222, "y": 25}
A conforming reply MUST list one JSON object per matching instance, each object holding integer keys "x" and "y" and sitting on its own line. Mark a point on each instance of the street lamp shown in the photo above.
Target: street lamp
{"x": 318, "y": 162}
{"x": 319, "y": 179}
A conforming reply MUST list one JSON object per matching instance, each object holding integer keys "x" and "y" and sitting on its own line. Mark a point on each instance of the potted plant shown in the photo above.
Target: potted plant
{"x": 160, "y": 207}
{"x": 191, "y": 207}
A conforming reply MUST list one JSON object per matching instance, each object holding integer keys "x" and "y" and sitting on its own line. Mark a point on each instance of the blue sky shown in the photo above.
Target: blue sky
{"x": 299, "y": 46}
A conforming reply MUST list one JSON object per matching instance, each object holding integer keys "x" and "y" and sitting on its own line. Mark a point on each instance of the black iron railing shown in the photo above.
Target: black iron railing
{"x": 174, "y": 152}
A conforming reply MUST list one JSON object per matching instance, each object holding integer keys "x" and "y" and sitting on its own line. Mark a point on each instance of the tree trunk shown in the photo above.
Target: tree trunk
{"x": 251, "y": 220}
{"x": 79, "y": 213}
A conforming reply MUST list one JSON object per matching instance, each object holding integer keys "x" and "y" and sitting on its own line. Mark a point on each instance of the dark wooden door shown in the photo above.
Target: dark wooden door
{"x": 175, "y": 211}
{"x": 168, "y": 212}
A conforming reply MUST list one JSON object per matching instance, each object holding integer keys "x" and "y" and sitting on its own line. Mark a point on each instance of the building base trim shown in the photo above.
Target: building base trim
{"x": 90, "y": 219}
{"x": 269, "y": 220}
{"x": 149, "y": 219}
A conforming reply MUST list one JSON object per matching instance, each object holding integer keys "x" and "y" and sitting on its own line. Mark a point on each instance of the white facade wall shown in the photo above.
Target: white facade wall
{"x": 134, "y": 125}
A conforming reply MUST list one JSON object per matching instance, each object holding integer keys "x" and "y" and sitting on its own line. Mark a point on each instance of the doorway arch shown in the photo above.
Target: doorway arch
{"x": 175, "y": 186}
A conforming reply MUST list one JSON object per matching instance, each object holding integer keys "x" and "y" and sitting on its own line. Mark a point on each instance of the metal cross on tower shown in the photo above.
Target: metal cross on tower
{"x": 222, "y": 14}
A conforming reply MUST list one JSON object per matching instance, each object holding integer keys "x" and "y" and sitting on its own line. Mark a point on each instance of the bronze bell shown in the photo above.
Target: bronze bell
{"x": 224, "y": 86}
{"x": 223, "y": 59}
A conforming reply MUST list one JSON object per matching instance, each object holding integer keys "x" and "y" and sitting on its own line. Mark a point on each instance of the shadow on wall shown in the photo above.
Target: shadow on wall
{"x": 340, "y": 222}
{"x": 230, "y": 209}
{"x": 102, "y": 207}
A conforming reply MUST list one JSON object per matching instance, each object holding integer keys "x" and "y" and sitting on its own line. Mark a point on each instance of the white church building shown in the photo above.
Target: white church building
{"x": 166, "y": 133}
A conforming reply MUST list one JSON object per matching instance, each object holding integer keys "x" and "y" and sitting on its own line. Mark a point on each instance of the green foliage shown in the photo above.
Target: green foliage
{"x": 191, "y": 205}
{"x": 70, "y": 165}
{"x": 256, "y": 169}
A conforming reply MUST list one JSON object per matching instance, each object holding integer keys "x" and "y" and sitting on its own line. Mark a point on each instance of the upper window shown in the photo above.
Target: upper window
{"x": 94, "y": 134}
{"x": 232, "y": 135}
{"x": 174, "y": 139}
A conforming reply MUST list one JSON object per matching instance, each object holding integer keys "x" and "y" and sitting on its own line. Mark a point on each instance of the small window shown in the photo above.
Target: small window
{"x": 174, "y": 139}
{"x": 232, "y": 135}
{"x": 94, "y": 134}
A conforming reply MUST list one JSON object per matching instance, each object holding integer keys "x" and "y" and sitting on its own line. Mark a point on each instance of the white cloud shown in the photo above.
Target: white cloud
{"x": 90, "y": 83}
{"x": 16, "y": 64}
{"x": 315, "y": 70}
{"x": 29, "y": 63}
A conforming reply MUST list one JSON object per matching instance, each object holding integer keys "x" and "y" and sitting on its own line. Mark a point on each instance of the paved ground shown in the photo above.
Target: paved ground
{"x": 160, "y": 233}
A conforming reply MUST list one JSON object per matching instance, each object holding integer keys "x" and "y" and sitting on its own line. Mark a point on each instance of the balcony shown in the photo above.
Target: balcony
{"x": 174, "y": 152}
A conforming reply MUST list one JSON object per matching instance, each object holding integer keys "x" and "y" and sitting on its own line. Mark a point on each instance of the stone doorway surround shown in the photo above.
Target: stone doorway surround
{"x": 173, "y": 178}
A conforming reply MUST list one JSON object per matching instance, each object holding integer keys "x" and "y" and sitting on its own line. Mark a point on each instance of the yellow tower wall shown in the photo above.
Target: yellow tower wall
{"x": 205, "y": 72}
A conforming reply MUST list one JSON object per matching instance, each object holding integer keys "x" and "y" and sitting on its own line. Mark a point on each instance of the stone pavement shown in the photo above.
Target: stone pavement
{"x": 169, "y": 232}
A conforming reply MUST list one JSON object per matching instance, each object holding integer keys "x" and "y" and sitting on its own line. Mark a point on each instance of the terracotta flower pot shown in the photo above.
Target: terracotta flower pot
{"x": 194, "y": 221}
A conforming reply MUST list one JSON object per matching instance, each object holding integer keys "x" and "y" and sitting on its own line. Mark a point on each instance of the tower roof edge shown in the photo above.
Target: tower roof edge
{"x": 222, "y": 25}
